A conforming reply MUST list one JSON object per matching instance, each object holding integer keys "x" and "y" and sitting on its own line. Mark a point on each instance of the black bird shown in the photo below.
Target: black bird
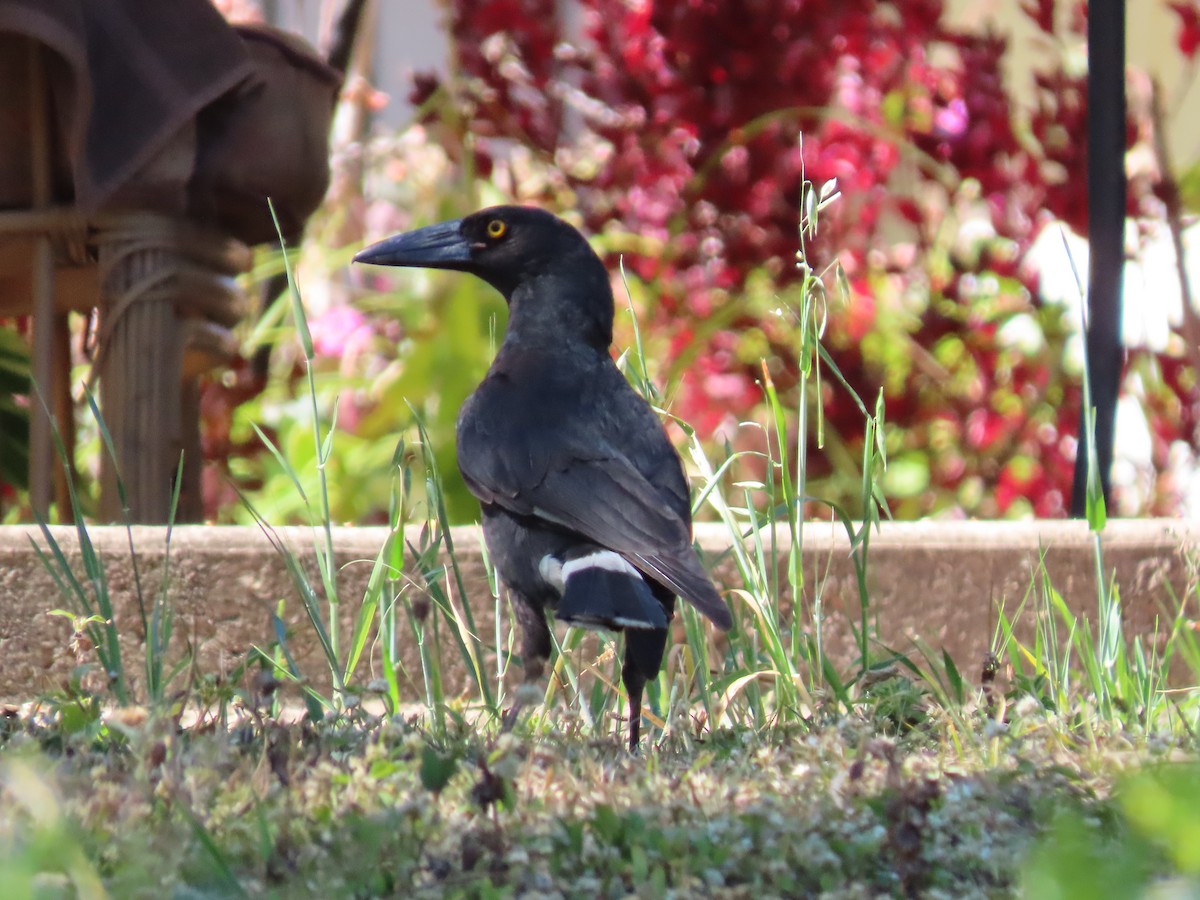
{"x": 585, "y": 503}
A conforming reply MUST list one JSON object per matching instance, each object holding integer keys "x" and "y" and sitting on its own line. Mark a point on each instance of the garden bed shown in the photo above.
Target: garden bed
{"x": 1067, "y": 765}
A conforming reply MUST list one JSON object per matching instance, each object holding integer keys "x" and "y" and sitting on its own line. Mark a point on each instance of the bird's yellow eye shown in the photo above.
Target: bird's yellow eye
{"x": 496, "y": 229}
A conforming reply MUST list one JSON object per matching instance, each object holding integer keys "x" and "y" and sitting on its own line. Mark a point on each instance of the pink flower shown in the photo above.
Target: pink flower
{"x": 950, "y": 121}
{"x": 341, "y": 332}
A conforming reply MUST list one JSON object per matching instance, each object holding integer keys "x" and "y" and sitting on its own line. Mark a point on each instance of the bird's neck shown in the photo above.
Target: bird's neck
{"x": 555, "y": 310}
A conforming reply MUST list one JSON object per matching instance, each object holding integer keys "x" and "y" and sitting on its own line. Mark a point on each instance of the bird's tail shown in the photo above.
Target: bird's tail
{"x": 602, "y": 590}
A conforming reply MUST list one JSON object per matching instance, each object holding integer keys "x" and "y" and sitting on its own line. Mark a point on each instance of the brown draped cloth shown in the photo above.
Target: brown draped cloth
{"x": 125, "y": 77}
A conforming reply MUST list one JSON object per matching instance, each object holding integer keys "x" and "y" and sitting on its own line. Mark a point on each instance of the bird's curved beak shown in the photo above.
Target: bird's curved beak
{"x": 440, "y": 246}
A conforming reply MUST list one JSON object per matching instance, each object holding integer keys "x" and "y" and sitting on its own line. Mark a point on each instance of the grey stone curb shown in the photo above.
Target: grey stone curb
{"x": 941, "y": 581}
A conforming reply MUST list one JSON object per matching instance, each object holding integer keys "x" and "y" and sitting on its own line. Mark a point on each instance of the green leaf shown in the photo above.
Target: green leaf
{"x": 436, "y": 769}
{"x": 297, "y": 304}
{"x": 1189, "y": 188}
{"x": 606, "y": 823}
{"x": 1164, "y": 804}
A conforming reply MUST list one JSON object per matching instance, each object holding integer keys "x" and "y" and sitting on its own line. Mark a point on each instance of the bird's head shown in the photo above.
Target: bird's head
{"x": 545, "y": 269}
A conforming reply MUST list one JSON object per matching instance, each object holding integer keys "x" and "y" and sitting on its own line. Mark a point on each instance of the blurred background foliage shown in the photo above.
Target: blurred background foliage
{"x": 677, "y": 136}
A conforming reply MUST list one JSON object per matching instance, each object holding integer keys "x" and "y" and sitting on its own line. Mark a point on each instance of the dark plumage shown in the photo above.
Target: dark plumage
{"x": 585, "y": 504}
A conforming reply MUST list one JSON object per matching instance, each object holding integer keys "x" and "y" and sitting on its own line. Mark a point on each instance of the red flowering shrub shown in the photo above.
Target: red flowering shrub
{"x": 1189, "y": 26}
{"x": 680, "y": 122}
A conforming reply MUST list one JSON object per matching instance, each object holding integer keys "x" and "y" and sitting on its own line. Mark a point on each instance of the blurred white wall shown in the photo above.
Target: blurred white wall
{"x": 408, "y": 38}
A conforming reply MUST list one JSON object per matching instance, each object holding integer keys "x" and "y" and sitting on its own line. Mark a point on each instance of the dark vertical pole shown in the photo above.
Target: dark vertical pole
{"x": 1106, "y": 226}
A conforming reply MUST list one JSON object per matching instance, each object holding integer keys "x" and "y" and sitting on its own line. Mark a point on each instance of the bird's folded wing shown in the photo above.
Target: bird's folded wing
{"x": 607, "y": 500}
{"x": 684, "y": 575}
{"x": 610, "y": 502}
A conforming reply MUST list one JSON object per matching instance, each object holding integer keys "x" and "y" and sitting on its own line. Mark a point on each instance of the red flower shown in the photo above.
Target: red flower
{"x": 1042, "y": 13}
{"x": 1189, "y": 26}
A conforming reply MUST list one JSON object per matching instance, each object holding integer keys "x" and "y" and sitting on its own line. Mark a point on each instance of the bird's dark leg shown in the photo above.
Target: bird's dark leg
{"x": 535, "y": 645}
{"x": 535, "y": 634}
{"x": 643, "y": 659}
{"x": 634, "y": 682}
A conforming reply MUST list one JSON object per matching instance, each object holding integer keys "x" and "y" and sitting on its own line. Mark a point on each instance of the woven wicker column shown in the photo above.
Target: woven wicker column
{"x": 142, "y": 358}
{"x": 169, "y": 302}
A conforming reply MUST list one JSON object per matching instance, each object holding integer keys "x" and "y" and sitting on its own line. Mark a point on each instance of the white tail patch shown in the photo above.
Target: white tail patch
{"x": 603, "y": 559}
{"x": 551, "y": 570}
{"x": 555, "y": 572}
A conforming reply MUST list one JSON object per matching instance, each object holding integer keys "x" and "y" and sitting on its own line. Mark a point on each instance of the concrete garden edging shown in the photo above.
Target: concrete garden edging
{"x": 942, "y": 581}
